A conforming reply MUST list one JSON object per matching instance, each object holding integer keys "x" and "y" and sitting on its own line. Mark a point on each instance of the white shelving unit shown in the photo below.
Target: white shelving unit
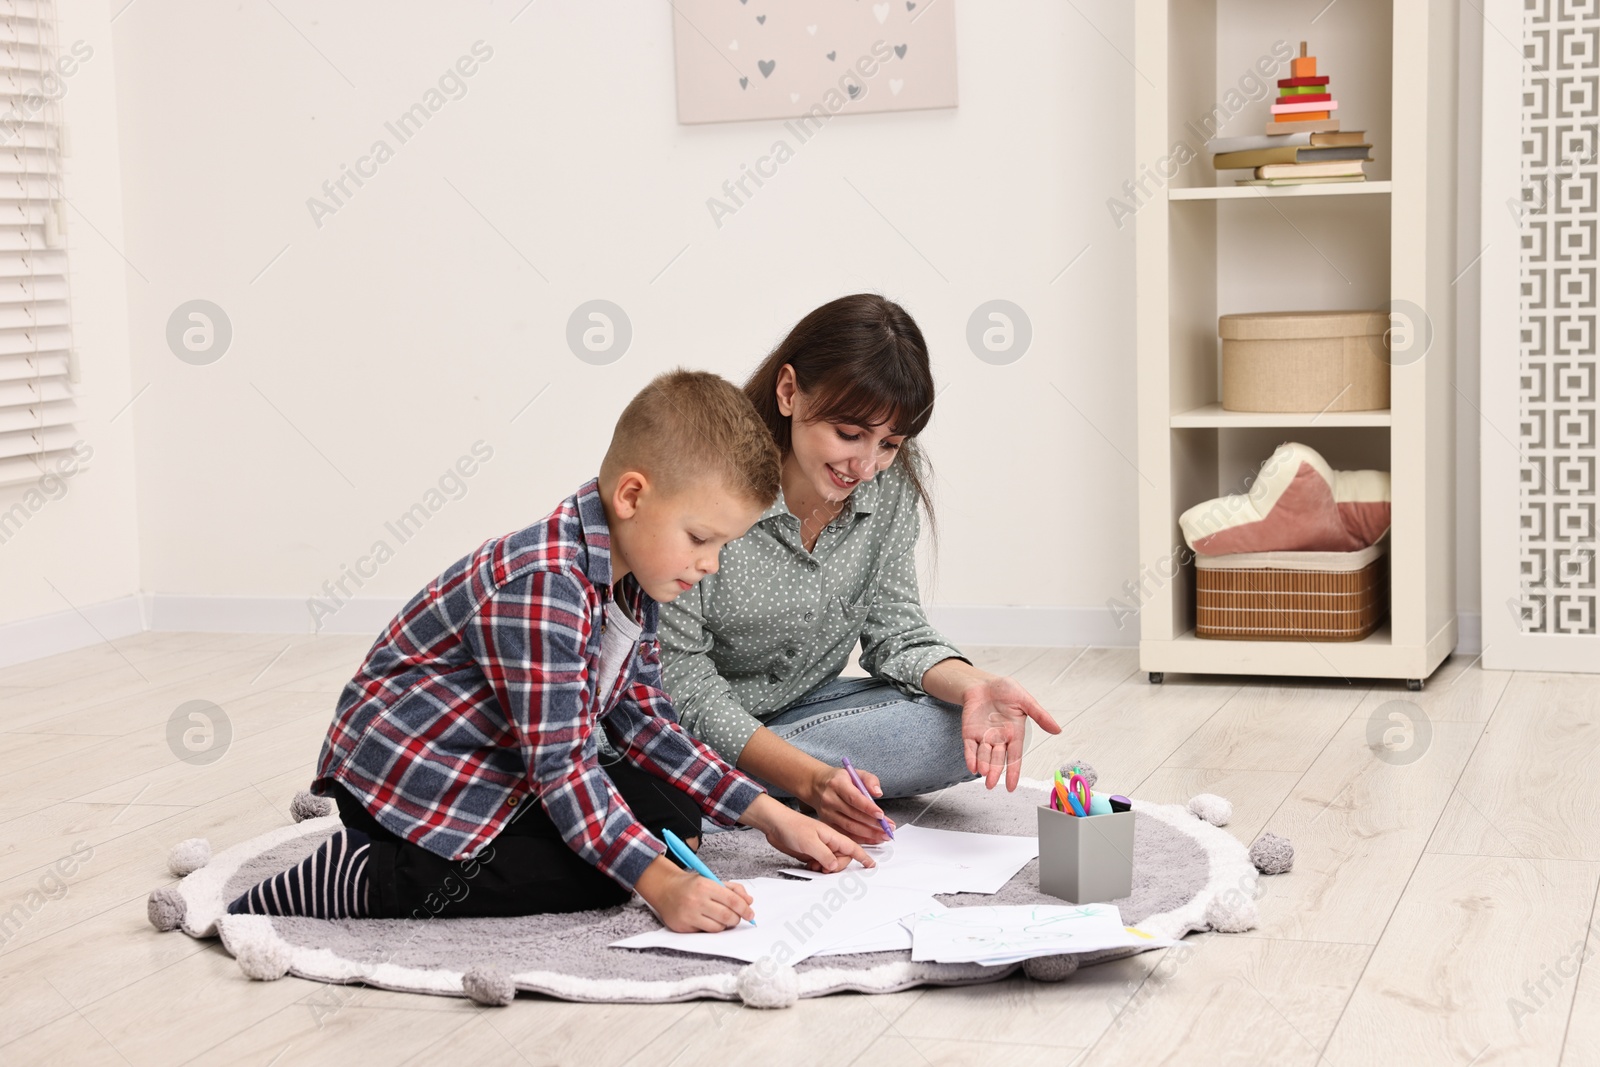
{"x": 1208, "y": 247}
{"x": 1213, "y": 415}
{"x": 1243, "y": 192}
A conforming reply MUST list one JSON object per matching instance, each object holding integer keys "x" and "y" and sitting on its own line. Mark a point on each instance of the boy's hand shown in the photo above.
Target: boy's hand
{"x": 691, "y": 903}
{"x": 842, "y": 806}
{"x": 816, "y": 844}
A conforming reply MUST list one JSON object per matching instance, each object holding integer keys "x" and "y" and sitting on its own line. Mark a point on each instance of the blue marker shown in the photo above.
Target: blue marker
{"x": 690, "y": 860}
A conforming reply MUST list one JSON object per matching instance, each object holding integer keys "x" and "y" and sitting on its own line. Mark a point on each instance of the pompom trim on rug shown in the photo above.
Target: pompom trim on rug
{"x": 1230, "y": 892}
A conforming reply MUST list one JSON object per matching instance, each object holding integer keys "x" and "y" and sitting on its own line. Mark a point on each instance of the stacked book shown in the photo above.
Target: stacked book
{"x": 1303, "y": 144}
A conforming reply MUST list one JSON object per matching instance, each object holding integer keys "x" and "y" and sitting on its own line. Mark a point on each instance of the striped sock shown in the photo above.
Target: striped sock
{"x": 331, "y": 883}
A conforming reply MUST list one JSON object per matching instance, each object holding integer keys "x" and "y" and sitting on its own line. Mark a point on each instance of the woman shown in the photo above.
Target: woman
{"x": 751, "y": 655}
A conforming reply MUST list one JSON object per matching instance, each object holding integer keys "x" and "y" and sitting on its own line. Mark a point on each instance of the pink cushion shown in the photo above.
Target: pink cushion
{"x": 1297, "y": 504}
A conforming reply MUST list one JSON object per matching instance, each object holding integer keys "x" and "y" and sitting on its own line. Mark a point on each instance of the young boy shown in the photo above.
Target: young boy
{"x": 464, "y": 754}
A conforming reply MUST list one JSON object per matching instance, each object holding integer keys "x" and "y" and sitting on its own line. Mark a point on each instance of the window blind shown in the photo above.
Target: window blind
{"x": 37, "y": 363}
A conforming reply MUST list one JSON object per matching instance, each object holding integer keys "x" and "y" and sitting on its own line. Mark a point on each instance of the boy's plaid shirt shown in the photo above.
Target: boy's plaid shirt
{"x": 480, "y": 694}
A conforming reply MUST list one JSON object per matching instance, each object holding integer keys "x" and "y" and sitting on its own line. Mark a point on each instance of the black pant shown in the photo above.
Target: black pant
{"x": 526, "y": 870}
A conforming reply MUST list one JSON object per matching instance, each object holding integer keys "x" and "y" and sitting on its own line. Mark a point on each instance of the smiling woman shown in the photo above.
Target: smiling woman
{"x": 752, "y": 654}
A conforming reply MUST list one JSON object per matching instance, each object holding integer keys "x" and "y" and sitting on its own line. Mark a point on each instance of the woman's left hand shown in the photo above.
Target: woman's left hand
{"x": 994, "y": 718}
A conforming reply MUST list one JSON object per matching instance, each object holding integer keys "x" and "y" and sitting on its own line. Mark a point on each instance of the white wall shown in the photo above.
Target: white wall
{"x": 72, "y": 567}
{"x": 431, "y": 307}
{"x": 1469, "y": 420}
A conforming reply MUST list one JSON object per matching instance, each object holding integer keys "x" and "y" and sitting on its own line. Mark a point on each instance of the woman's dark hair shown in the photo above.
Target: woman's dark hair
{"x": 859, "y": 359}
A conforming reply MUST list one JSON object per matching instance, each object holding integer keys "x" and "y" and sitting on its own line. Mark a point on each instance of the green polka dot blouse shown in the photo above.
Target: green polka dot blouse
{"x": 776, "y": 621}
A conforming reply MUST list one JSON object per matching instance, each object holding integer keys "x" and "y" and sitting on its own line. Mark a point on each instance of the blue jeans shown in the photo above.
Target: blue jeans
{"x": 913, "y": 746}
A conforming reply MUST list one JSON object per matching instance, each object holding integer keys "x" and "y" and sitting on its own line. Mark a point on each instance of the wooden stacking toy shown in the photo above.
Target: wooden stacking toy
{"x": 1304, "y": 96}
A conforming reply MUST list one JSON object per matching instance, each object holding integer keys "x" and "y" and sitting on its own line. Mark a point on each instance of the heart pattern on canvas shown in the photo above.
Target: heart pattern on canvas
{"x": 704, "y": 97}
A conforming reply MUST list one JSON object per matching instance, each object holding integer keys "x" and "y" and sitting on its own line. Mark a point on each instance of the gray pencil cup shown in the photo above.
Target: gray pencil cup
{"x": 1085, "y": 860}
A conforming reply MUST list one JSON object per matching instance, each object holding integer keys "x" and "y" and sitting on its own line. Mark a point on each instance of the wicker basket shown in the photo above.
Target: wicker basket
{"x": 1292, "y": 596}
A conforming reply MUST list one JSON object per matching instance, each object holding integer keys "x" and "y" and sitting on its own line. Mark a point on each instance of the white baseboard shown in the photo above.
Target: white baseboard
{"x": 270, "y": 615}
{"x": 1093, "y": 627}
{"x": 968, "y": 624}
{"x": 974, "y": 624}
{"x": 63, "y": 631}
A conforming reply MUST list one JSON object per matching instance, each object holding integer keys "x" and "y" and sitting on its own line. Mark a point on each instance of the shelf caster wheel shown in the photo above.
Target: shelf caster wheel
{"x": 1414, "y": 684}
{"x": 1157, "y": 677}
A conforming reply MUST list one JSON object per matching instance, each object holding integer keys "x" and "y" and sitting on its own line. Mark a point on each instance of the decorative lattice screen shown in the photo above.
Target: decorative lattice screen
{"x": 1560, "y": 111}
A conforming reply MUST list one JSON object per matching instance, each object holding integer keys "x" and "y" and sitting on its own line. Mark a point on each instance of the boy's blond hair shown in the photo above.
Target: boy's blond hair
{"x": 688, "y": 424}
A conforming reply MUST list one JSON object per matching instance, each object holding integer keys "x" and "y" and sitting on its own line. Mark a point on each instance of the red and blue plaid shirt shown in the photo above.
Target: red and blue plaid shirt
{"x": 481, "y": 694}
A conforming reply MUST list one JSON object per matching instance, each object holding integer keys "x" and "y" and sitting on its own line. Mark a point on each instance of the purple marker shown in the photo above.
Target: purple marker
{"x": 856, "y": 778}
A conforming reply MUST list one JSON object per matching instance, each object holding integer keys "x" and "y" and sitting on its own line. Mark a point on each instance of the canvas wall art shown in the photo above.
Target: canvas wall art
{"x": 773, "y": 59}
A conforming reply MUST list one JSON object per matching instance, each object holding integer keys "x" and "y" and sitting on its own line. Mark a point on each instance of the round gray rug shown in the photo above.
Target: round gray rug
{"x": 1181, "y": 865}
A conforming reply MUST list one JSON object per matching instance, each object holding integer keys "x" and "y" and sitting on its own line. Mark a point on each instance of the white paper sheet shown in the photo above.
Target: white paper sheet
{"x": 890, "y": 937}
{"x": 942, "y": 861}
{"x": 797, "y": 919}
{"x": 1008, "y": 933}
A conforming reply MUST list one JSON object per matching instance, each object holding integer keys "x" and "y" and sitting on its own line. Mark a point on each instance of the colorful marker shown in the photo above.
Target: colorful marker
{"x": 690, "y": 860}
{"x": 856, "y": 778}
{"x": 1061, "y": 793}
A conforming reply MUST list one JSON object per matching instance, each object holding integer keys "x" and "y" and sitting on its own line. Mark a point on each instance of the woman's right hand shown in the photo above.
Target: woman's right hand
{"x": 691, "y": 903}
{"x": 837, "y": 802}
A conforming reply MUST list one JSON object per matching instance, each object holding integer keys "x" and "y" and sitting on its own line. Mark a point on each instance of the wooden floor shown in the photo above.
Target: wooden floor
{"x": 1439, "y": 910}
